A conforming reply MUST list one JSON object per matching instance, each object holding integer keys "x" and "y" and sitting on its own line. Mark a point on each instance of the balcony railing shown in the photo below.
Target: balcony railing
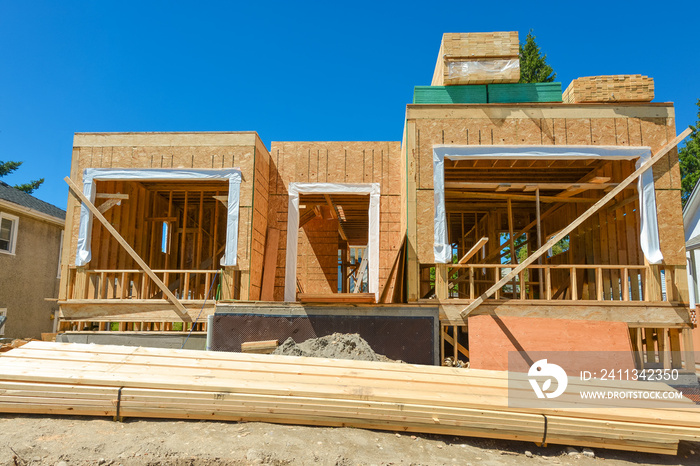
{"x": 553, "y": 282}
{"x": 136, "y": 284}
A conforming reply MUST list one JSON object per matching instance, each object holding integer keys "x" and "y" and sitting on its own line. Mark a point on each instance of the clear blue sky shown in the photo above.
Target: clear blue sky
{"x": 288, "y": 70}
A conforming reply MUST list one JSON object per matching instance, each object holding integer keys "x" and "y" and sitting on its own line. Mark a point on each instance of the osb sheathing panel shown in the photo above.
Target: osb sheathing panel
{"x": 335, "y": 162}
{"x": 259, "y": 220}
{"x": 622, "y": 125}
{"x": 670, "y": 217}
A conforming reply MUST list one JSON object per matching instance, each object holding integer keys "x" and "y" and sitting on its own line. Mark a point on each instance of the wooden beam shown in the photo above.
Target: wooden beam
{"x": 473, "y": 250}
{"x": 334, "y": 214}
{"x": 179, "y": 308}
{"x": 222, "y": 199}
{"x": 515, "y": 197}
{"x": 260, "y": 347}
{"x": 538, "y": 219}
{"x": 528, "y": 186}
{"x": 111, "y": 196}
{"x": 572, "y": 226}
{"x": 108, "y": 204}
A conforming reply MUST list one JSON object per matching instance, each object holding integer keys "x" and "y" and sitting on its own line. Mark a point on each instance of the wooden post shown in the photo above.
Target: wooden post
{"x": 572, "y": 226}
{"x": 471, "y": 282}
{"x": 80, "y": 288}
{"x": 441, "y": 285}
{"x": 179, "y": 308}
{"x": 539, "y": 222}
{"x": 227, "y": 275}
{"x": 511, "y": 241}
{"x": 675, "y": 347}
{"x": 688, "y": 350}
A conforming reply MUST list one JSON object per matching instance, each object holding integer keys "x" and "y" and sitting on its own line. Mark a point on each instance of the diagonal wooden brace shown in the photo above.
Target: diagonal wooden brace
{"x": 179, "y": 308}
{"x": 572, "y": 226}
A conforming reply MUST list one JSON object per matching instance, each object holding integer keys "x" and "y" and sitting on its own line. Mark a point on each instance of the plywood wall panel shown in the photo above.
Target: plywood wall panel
{"x": 634, "y": 131}
{"x": 505, "y": 132}
{"x": 547, "y": 134}
{"x": 622, "y": 137}
{"x": 425, "y": 212}
{"x": 578, "y": 131}
{"x": 603, "y": 132}
{"x": 529, "y": 131}
{"x": 559, "y": 131}
{"x": 670, "y": 218}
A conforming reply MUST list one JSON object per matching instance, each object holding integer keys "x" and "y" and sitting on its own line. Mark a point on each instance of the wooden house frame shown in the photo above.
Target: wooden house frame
{"x": 439, "y": 219}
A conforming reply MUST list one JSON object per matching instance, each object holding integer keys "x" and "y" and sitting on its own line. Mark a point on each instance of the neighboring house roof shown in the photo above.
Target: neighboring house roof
{"x": 693, "y": 243}
{"x": 15, "y": 196}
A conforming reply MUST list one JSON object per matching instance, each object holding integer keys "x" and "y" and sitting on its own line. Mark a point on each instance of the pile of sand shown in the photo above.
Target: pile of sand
{"x": 335, "y": 346}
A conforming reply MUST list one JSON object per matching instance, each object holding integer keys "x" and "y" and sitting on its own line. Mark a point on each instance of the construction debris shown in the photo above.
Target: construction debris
{"x": 15, "y": 344}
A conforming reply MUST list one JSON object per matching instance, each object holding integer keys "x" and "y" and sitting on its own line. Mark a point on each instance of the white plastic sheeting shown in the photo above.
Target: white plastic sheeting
{"x": 90, "y": 175}
{"x": 467, "y": 68}
{"x": 294, "y": 189}
{"x": 649, "y": 238}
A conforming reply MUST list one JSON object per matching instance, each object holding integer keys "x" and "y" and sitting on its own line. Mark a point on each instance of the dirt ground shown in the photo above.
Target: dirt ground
{"x": 65, "y": 441}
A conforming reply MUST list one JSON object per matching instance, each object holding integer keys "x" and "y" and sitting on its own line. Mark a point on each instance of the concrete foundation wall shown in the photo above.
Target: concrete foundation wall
{"x": 154, "y": 340}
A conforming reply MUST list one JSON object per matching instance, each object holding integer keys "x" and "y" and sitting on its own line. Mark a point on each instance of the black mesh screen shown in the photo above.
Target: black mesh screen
{"x": 409, "y": 338}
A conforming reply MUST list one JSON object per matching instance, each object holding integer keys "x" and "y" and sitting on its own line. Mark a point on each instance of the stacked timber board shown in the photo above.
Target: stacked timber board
{"x": 54, "y": 378}
{"x": 492, "y": 93}
{"x": 617, "y": 88}
{"x": 477, "y": 58}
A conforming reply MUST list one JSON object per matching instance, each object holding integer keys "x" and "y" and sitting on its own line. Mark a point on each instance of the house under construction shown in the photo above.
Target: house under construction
{"x": 510, "y": 216}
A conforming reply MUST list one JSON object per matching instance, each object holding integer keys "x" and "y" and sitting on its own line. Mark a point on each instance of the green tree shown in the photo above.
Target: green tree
{"x": 690, "y": 160}
{"x": 533, "y": 65}
{"x": 8, "y": 167}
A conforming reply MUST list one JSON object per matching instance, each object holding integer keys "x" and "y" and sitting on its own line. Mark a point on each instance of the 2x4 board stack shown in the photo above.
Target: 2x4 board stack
{"x": 616, "y": 88}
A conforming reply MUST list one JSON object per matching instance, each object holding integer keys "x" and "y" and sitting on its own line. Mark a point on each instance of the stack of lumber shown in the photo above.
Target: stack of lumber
{"x": 617, "y": 88}
{"x": 60, "y": 378}
{"x": 477, "y": 58}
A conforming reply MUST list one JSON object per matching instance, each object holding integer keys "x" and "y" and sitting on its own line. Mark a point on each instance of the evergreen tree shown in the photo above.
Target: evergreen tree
{"x": 8, "y": 167}
{"x": 533, "y": 65}
{"x": 690, "y": 160}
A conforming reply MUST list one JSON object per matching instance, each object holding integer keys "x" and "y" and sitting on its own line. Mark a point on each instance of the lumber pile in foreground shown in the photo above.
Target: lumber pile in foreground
{"x": 63, "y": 378}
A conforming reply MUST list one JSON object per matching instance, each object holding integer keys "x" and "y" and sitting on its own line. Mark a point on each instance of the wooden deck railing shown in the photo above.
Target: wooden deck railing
{"x": 565, "y": 281}
{"x": 135, "y": 284}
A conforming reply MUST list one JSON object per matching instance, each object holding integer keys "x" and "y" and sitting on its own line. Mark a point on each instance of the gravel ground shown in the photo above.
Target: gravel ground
{"x": 65, "y": 441}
